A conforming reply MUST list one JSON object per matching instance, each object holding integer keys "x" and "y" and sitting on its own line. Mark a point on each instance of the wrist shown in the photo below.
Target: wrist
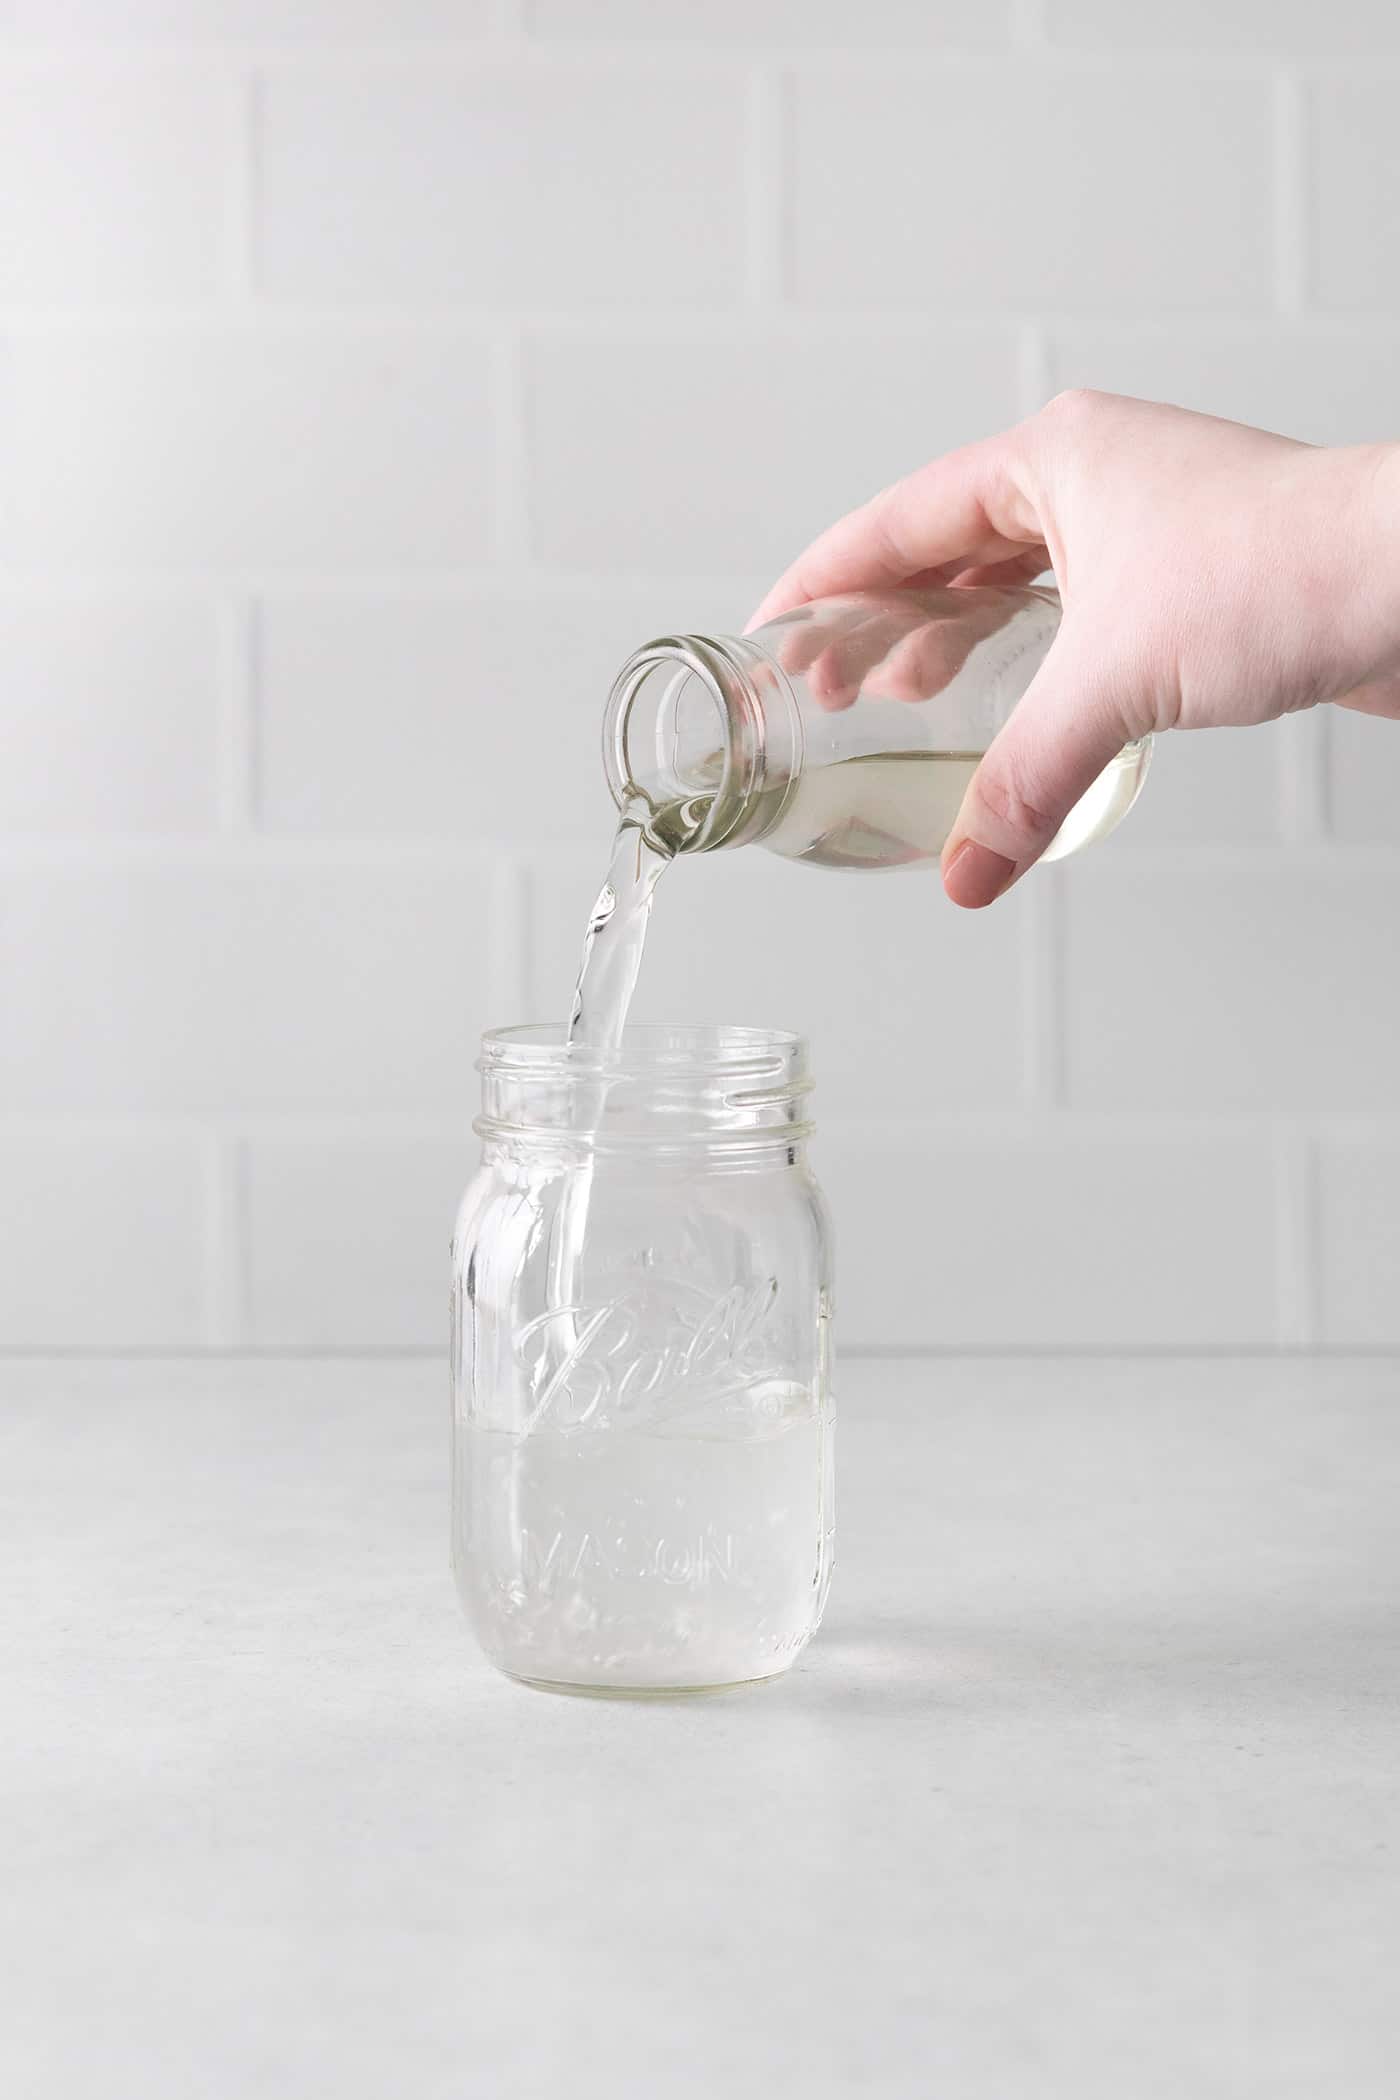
{"x": 1370, "y": 555}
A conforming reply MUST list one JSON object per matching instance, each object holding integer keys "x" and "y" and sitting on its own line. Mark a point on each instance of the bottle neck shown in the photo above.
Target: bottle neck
{"x": 703, "y": 731}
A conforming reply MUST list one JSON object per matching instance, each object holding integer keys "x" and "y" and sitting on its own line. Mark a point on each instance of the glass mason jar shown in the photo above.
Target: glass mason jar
{"x": 642, "y": 1416}
{"x": 843, "y": 734}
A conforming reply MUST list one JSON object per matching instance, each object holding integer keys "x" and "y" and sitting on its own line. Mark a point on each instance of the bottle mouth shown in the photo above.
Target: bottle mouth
{"x": 664, "y": 1084}
{"x": 689, "y": 744}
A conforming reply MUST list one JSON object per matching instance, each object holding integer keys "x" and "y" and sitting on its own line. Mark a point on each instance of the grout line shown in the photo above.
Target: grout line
{"x": 1312, "y": 1237}
{"x": 1291, "y": 203}
{"x": 851, "y": 1352}
{"x": 1042, "y": 970}
{"x": 526, "y": 580}
{"x": 768, "y": 256}
{"x": 624, "y": 322}
{"x": 678, "y": 57}
{"x": 1302, "y": 786}
{"x": 224, "y": 1273}
{"x": 240, "y": 188}
{"x": 1295, "y": 1230}
{"x": 254, "y": 658}
{"x": 1324, "y": 762}
{"x": 509, "y": 420}
{"x": 627, "y": 325}
{"x": 180, "y": 850}
{"x": 237, "y": 790}
{"x": 1034, "y": 367}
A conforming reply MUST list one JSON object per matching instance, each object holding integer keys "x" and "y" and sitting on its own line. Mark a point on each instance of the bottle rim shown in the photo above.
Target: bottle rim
{"x": 726, "y": 667}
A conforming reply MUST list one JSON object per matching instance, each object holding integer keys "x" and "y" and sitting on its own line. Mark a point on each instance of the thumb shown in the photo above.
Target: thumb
{"x": 1065, "y": 729}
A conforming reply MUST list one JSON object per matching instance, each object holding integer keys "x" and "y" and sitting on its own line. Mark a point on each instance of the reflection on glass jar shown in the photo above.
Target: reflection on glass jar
{"x": 641, "y": 1362}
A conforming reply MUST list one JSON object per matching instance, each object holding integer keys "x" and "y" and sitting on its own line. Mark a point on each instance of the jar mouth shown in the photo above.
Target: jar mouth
{"x": 664, "y": 1083}
{"x": 647, "y": 1046}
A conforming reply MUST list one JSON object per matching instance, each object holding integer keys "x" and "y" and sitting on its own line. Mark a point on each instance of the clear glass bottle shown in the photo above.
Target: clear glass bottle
{"x": 642, "y": 1418}
{"x": 843, "y": 734}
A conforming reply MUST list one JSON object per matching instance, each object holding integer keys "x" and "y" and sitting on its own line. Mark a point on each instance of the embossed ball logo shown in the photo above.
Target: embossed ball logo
{"x": 660, "y": 1344}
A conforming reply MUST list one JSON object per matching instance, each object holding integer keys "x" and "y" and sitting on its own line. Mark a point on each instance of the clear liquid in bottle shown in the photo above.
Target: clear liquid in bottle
{"x": 897, "y": 809}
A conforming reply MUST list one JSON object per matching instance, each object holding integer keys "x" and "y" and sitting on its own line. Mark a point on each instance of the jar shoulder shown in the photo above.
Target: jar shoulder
{"x": 508, "y": 1200}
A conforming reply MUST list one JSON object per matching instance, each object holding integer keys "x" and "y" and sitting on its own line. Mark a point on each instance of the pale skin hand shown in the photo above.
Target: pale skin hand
{"x": 1212, "y": 575}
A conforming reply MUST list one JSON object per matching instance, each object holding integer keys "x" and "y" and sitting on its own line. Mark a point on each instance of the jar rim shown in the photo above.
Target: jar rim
{"x": 665, "y": 1086}
{"x": 721, "y": 1049}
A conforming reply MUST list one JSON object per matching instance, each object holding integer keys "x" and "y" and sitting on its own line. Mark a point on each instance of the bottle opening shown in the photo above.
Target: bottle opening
{"x": 669, "y": 745}
{"x": 703, "y": 733}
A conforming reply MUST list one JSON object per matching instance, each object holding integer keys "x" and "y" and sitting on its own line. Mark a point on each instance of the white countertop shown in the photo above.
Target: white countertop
{"x": 1090, "y": 1785}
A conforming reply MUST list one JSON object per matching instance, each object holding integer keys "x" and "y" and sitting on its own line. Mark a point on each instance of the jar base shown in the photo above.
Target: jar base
{"x": 641, "y": 1691}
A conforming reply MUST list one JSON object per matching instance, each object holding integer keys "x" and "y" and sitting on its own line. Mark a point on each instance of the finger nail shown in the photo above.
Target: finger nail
{"x": 975, "y": 876}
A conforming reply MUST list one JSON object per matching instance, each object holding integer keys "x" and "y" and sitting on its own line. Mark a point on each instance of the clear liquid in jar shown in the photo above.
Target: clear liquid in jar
{"x": 652, "y": 1558}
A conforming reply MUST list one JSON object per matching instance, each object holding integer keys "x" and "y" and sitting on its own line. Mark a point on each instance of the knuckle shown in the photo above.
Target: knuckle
{"x": 1017, "y": 802}
{"x": 1074, "y": 404}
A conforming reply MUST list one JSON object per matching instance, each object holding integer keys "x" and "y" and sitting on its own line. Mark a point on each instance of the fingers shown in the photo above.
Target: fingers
{"x": 920, "y": 664}
{"x": 903, "y": 645}
{"x": 1062, "y": 734}
{"x": 836, "y": 677}
{"x": 930, "y": 656}
{"x": 1021, "y": 569}
{"x": 965, "y": 509}
{"x": 834, "y": 643}
{"x": 909, "y": 647}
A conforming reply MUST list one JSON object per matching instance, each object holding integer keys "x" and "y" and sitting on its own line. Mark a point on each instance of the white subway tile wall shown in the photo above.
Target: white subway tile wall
{"x": 1358, "y": 1193}
{"x": 1357, "y": 194}
{"x": 903, "y": 999}
{"x": 111, "y": 181}
{"x": 319, "y": 22}
{"x": 657, "y": 451}
{"x": 926, "y": 25}
{"x": 1346, "y": 28}
{"x": 1362, "y": 788}
{"x": 501, "y": 185}
{"x": 252, "y": 446}
{"x": 102, "y": 1239}
{"x": 1237, "y": 984}
{"x": 378, "y": 1211}
{"x": 1119, "y": 1237}
{"x": 111, "y": 714}
{"x": 210, "y": 983}
{"x": 374, "y": 374}
{"x": 356, "y": 690}
{"x": 1330, "y": 385}
{"x": 1014, "y": 188}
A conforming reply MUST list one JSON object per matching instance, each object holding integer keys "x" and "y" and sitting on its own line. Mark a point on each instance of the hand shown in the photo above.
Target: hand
{"x": 1211, "y": 575}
